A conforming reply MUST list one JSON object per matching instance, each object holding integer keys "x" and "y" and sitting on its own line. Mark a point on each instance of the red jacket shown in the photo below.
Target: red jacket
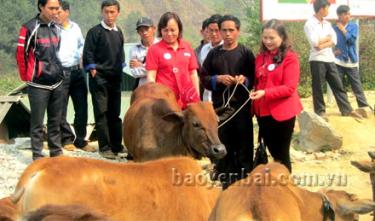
{"x": 36, "y": 54}
{"x": 280, "y": 83}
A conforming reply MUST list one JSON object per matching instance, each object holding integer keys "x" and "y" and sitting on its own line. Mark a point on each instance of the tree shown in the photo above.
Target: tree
{"x": 130, "y": 28}
{"x": 254, "y": 25}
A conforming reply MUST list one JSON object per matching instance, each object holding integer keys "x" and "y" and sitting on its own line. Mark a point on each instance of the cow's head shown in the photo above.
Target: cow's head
{"x": 199, "y": 130}
{"x": 347, "y": 206}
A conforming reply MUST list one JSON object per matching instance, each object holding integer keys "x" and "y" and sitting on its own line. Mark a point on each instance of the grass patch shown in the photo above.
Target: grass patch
{"x": 8, "y": 82}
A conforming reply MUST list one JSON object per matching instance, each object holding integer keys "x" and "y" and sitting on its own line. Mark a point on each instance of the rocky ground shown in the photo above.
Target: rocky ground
{"x": 330, "y": 169}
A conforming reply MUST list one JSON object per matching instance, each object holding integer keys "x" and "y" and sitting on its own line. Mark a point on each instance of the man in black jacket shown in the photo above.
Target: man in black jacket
{"x": 104, "y": 58}
{"x": 225, "y": 66}
{"x": 40, "y": 68}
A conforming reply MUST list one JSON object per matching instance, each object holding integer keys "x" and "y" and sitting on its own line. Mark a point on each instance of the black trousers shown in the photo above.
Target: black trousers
{"x": 75, "y": 86}
{"x": 106, "y": 100}
{"x": 277, "y": 136}
{"x": 237, "y": 136}
{"x": 322, "y": 71}
{"x": 40, "y": 101}
{"x": 355, "y": 83}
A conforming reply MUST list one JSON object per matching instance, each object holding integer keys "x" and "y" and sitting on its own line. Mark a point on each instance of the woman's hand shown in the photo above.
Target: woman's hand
{"x": 151, "y": 76}
{"x": 255, "y": 95}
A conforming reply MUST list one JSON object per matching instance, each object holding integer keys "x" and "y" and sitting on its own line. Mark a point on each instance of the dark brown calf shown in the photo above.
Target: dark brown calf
{"x": 368, "y": 167}
{"x": 155, "y": 126}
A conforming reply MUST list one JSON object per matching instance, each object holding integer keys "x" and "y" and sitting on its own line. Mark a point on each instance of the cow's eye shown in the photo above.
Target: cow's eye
{"x": 196, "y": 124}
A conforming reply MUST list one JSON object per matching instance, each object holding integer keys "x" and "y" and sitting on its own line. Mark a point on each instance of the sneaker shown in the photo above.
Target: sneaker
{"x": 108, "y": 154}
{"x": 69, "y": 147}
{"x": 88, "y": 148}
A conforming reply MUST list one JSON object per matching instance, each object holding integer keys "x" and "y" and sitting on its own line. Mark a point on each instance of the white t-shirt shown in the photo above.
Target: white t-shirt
{"x": 316, "y": 30}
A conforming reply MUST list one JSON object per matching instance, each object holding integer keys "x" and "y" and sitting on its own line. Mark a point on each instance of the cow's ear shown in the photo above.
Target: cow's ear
{"x": 174, "y": 117}
{"x": 357, "y": 206}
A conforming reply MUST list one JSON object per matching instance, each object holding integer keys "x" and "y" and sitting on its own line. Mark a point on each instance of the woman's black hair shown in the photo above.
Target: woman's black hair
{"x": 163, "y": 22}
{"x": 279, "y": 27}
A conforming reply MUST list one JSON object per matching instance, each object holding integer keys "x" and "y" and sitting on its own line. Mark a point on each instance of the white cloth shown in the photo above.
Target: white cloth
{"x": 107, "y": 27}
{"x": 204, "y": 51}
{"x": 207, "y": 94}
{"x": 71, "y": 45}
{"x": 316, "y": 30}
{"x": 139, "y": 53}
{"x": 346, "y": 64}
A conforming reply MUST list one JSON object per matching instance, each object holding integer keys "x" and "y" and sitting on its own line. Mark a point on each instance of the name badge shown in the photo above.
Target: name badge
{"x": 167, "y": 56}
{"x": 271, "y": 67}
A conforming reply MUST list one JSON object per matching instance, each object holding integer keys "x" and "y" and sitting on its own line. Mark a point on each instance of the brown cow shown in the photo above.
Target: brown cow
{"x": 155, "y": 126}
{"x": 8, "y": 211}
{"x": 268, "y": 194}
{"x": 64, "y": 213}
{"x": 368, "y": 167}
{"x": 155, "y": 190}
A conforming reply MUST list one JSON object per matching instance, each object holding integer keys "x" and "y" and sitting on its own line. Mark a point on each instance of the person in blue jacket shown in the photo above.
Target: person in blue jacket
{"x": 346, "y": 52}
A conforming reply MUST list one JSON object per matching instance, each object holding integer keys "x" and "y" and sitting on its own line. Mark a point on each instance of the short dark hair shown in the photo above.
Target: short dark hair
{"x": 342, "y": 9}
{"x": 230, "y": 18}
{"x": 214, "y": 19}
{"x": 163, "y": 22}
{"x": 65, "y": 5}
{"x": 107, "y": 3}
{"x": 279, "y": 27}
{"x": 43, "y": 3}
{"x": 204, "y": 23}
{"x": 318, "y": 4}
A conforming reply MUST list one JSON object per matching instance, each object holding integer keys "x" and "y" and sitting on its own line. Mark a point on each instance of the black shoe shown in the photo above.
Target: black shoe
{"x": 108, "y": 154}
{"x": 55, "y": 154}
{"x": 37, "y": 157}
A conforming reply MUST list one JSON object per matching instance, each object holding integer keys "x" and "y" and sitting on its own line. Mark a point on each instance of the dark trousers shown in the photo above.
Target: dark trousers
{"x": 322, "y": 71}
{"x": 277, "y": 136}
{"x": 106, "y": 100}
{"x": 75, "y": 86}
{"x": 237, "y": 136}
{"x": 355, "y": 82}
{"x": 40, "y": 101}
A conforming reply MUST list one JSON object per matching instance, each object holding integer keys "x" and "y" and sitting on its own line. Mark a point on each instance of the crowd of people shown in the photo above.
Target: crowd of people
{"x": 54, "y": 60}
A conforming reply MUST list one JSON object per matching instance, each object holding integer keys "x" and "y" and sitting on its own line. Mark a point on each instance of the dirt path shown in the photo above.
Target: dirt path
{"x": 334, "y": 170}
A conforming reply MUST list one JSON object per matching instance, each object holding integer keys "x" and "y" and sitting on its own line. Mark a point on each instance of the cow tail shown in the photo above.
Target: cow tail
{"x": 16, "y": 196}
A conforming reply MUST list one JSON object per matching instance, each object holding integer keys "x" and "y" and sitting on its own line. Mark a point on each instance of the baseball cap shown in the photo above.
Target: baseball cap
{"x": 144, "y": 21}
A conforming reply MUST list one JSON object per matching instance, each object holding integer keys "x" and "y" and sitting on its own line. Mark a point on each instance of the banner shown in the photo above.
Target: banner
{"x": 303, "y": 9}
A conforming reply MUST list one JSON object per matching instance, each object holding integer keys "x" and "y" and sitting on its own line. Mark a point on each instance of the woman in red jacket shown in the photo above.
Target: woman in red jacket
{"x": 275, "y": 99}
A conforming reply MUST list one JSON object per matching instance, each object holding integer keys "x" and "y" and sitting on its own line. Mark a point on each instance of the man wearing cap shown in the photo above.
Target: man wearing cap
{"x": 74, "y": 83}
{"x": 146, "y": 30}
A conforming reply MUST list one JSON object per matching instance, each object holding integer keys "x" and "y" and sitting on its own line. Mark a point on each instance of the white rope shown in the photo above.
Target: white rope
{"x": 239, "y": 109}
